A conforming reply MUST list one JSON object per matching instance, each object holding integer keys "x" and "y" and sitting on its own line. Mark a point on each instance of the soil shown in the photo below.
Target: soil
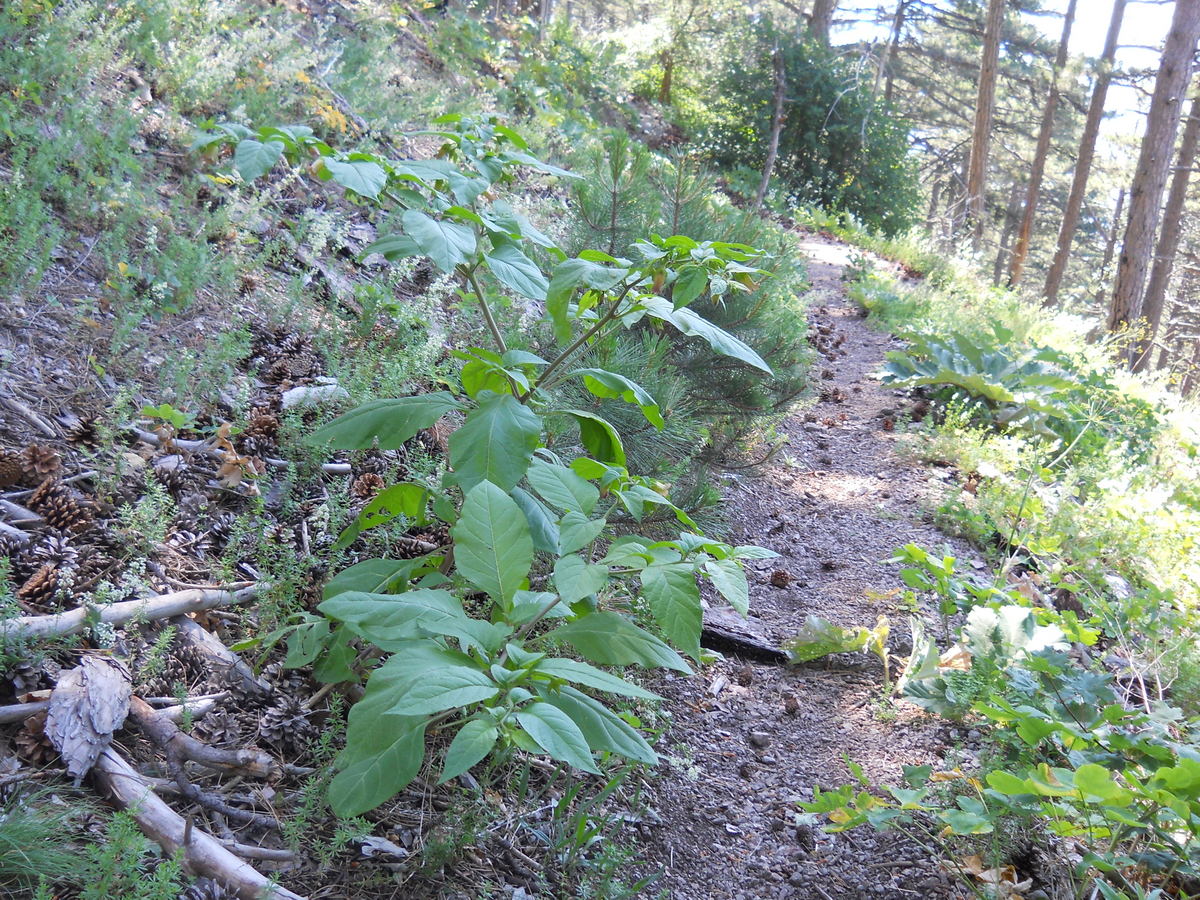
{"x": 750, "y": 739}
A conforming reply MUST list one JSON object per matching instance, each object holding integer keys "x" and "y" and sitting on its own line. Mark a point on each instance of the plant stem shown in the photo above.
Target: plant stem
{"x": 469, "y": 274}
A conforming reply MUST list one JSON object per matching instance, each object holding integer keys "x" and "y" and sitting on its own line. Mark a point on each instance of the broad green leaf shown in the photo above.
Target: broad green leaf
{"x": 1008, "y": 784}
{"x": 375, "y": 576}
{"x": 388, "y": 423}
{"x": 599, "y": 438}
{"x": 447, "y": 244}
{"x": 576, "y": 531}
{"x": 589, "y": 676}
{"x": 472, "y": 743}
{"x": 1096, "y": 785}
{"x": 689, "y": 285}
{"x": 516, "y": 271}
{"x": 253, "y": 159}
{"x": 528, "y": 604}
{"x": 602, "y": 728}
{"x": 819, "y": 637}
{"x": 391, "y": 620}
{"x": 444, "y": 688}
{"x": 493, "y": 547}
{"x": 611, "y": 639}
{"x": 405, "y": 499}
{"x": 561, "y": 487}
{"x": 362, "y": 176}
{"x": 568, "y": 277}
{"x": 542, "y": 526}
{"x": 393, "y": 247}
{"x": 305, "y": 643}
{"x": 695, "y": 325}
{"x": 480, "y": 375}
{"x": 495, "y": 443}
{"x": 575, "y": 579}
{"x": 674, "y": 601}
{"x": 730, "y": 579}
{"x": 557, "y": 734}
{"x": 610, "y": 385}
{"x": 749, "y": 551}
{"x": 383, "y": 755}
{"x": 336, "y": 664}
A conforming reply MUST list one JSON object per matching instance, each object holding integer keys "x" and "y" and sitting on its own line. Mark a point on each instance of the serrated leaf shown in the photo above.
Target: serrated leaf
{"x": 589, "y": 676}
{"x": 473, "y": 742}
{"x": 674, "y": 601}
{"x": 575, "y": 579}
{"x": 364, "y": 177}
{"x": 602, "y": 728}
{"x": 447, "y": 244}
{"x": 387, "y": 422}
{"x": 493, "y": 547}
{"x": 610, "y": 639}
{"x": 516, "y": 271}
{"x": 495, "y": 443}
{"x": 561, "y": 487}
{"x": 557, "y": 734}
{"x": 695, "y": 325}
{"x": 730, "y": 580}
{"x": 253, "y": 159}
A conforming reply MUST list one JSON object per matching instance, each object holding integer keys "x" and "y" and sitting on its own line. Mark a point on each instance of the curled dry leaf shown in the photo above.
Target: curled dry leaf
{"x": 1000, "y": 881}
{"x": 87, "y": 705}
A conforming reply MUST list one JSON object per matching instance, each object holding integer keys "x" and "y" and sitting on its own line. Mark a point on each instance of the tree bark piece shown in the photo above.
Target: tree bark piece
{"x": 202, "y": 853}
{"x": 147, "y": 608}
{"x": 1083, "y": 162}
{"x": 985, "y": 107}
{"x": 1033, "y": 190}
{"x": 231, "y": 667}
{"x": 727, "y": 632}
{"x": 1168, "y": 239}
{"x": 1154, "y": 162}
{"x": 160, "y": 729}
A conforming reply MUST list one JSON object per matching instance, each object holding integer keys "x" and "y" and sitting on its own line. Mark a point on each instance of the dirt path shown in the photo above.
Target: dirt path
{"x": 749, "y": 739}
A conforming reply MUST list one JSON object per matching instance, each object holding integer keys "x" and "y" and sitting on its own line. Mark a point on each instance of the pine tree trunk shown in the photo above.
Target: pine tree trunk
{"x": 985, "y": 105}
{"x": 1168, "y": 240}
{"x": 1083, "y": 163}
{"x": 821, "y": 19}
{"x": 1110, "y": 245}
{"x": 890, "y": 50}
{"x": 776, "y": 126}
{"x": 1010, "y": 225}
{"x": 1154, "y": 162}
{"x": 1041, "y": 154}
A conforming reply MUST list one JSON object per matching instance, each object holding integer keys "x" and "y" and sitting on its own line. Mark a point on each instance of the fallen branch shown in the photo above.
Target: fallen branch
{"x": 144, "y": 609}
{"x": 162, "y": 731}
{"x": 236, "y": 673}
{"x": 19, "y": 712}
{"x": 202, "y": 853}
{"x": 208, "y": 449}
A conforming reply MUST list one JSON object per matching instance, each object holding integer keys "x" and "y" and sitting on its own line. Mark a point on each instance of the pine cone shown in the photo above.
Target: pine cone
{"x": 295, "y": 344}
{"x": 370, "y": 462}
{"x": 56, "y": 550}
{"x": 38, "y": 590}
{"x": 177, "y": 476}
{"x": 40, "y": 462}
{"x": 31, "y": 742}
{"x": 11, "y": 545}
{"x": 286, "y": 681}
{"x": 261, "y": 432}
{"x": 85, "y": 432}
{"x": 11, "y": 468}
{"x": 285, "y": 724}
{"x": 207, "y": 889}
{"x": 367, "y": 486}
{"x": 61, "y": 507}
{"x": 221, "y": 528}
{"x": 189, "y": 542}
{"x": 219, "y": 728}
{"x": 26, "y": 676}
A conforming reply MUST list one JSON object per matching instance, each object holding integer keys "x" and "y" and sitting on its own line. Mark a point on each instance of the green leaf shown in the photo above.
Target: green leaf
{"x": 575, "y": 579}
{"x": 689, "y": 284}
{"x": 557, "y": 734}
{"x": 374, "y": 576}
{"x": 472, "y": 743}
{"x": 542, "y": 527}
{"x": 568, "y": 276}
{"x": 1096, "y": 785}
{"x": 393, "y": 247}
{"x": 576, "y": 531}
{"x": 561, "y": 487}
{"x": 444, "y": 688}
{"x": 495, "y": 443}
{"x": 819, "y": 637}
{"x": 335, "y": 665}
{"x": 527, "y": 604}
{"x": 383, "y": 754}
{"x": 730, "y": 579}
{"x": 1008, "y": 784}
{"x": 516, "y": 271}
{"x": 599, "y": 437}
{"x": 674, "y": 601}
{"x": 493, "y": 547}
{"x": 589, "y": 676}
{"x": 388, "y": 422}
{"x": 447, "y": 244}
{"x": 253, "y": 159}
{"x": 695, "y": 325}
{"x": 405, "y": 499}
{"x": 610, "y": 639}
{"x": 391, "y": 620}
{"x": 362, "y": 176}
{"x": 602, "y": 729}
{"x": 610, "y": 385}
{"x": 305, "y": 643}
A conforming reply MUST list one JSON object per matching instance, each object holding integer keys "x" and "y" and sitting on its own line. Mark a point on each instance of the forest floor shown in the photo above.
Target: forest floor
{"x": 750, "y": 739}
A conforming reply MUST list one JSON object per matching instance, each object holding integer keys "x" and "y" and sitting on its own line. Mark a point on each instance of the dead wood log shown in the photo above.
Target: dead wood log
{"x": 19, "y": 712}
{"x": 236, "y": 673}
{"x": 162, "y": 731}
{"x": 163, "y": 606}
{"x": 202, "y": 853}
{"x": 727, "y": 632}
